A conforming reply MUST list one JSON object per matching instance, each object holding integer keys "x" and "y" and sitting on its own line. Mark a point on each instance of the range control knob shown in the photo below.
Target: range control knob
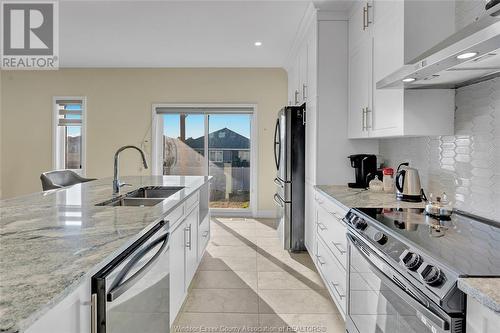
{"x": 412, "y": 261}
{"x": 432, "y": 275}
{"x": 380, "y": 238}
{"x": 360, "y": 224}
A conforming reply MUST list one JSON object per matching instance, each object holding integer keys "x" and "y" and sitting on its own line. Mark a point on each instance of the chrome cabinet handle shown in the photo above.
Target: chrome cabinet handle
{"x": 365, "y": 14}
{"x": 335, "y": 287}
{"x": 322, "y": 226}
{"x": 363, "y": 120}
{"x": 304, "y": 91}
{"x": 188, "y": 240}
{"x": 342, "y": 251}
{"x": 368, "y": 111}
{"x": 319, "y": 260}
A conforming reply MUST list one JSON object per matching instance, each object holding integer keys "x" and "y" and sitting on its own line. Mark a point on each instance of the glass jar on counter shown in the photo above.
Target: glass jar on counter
{"x": 388, "y": 180}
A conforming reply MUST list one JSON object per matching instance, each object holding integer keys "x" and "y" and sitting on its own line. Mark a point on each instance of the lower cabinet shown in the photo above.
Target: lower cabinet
{"x": 71, "y": 315}
{"x": 481, "y": 319}
{"x": 191, "y": 241}
{"x": 177, "y": 269}
{"x": 330, "y": 254}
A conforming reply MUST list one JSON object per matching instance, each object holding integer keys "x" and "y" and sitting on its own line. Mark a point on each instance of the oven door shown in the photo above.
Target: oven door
{"x": 381, "y": 300}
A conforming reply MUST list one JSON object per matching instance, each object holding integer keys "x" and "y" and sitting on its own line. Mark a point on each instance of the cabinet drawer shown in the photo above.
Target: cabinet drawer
{"x": 175, "y": 215}
{"x": 333, "y": 233}
{"x": 203, "y": 236}
{"x": 333, "y": 274}
{"x": 330, "y": 206}
{"x": 192, "y": 200}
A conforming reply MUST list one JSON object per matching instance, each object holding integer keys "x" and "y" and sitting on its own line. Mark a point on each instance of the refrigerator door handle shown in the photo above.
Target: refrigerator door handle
{"x": 279, "y": 201}
{"x": 277, "y": 144}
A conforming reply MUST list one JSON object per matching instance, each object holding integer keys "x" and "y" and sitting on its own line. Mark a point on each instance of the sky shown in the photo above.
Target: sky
{"x": 73, "y": 130}
{"x": 239, "y": 123}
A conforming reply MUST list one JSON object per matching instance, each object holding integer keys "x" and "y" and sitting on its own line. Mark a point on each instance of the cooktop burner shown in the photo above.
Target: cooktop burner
{"x": 468, "y": 246}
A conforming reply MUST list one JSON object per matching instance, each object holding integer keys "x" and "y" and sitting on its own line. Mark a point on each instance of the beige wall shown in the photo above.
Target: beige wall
{"x": 119, "y": 112}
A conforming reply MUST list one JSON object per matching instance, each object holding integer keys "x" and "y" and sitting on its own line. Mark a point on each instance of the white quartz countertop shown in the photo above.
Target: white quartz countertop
{"x": 50, "y": 242}
{"x": 361, "y": 198}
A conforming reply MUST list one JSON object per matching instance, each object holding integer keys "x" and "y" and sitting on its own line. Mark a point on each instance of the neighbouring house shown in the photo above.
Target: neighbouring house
{"x": 225, "y": 146}
{"x": 229, "y": 163}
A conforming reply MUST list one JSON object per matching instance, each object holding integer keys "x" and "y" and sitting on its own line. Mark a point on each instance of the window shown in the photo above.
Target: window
{"x": 209, "y": 140}
{"x": 216, "y": 156}
{"x": 69, "y": 133}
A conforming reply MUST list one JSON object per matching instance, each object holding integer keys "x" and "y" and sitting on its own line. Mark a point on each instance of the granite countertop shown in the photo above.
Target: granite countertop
{"x": 50, "y": 242}
{"x": 361, "y": 198}
{"x": 485, "y": 290}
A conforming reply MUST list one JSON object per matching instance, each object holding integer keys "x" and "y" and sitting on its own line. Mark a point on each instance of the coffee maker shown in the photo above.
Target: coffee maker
{"x": 365, "y": 169}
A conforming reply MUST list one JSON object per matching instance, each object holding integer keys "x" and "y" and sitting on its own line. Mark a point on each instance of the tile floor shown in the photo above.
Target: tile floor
{"x": 247, "y": 283}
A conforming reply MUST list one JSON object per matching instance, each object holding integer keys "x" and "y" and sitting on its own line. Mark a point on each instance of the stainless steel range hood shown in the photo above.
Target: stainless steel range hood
{"x": 441, "y": 66}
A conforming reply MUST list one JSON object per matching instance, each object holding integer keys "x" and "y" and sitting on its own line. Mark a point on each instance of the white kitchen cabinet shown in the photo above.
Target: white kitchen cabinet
{"x": 360, "y": 89}
{"x": 481, "y": 319}
{"x": 71, "y": 315}
{"x": 177, "y": 269}
{"x": 327, "y": 143}
{"x": 191, "y": 244}
{"x": 401, "y": 31}
{"x": 331, "y": 248}
{"x": 361, "y": 21}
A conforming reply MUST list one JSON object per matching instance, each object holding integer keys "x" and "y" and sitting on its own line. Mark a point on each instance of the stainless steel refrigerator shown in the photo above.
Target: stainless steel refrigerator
{"x": 289, "y": 156}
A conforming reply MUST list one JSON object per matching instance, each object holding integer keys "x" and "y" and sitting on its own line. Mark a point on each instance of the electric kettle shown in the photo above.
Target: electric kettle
{"x": 408, "y": 186}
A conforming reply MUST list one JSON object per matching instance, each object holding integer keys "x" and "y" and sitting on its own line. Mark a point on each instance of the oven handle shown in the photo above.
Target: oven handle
{"x": 119, "y": 287}
{"x": 422, "y": 310}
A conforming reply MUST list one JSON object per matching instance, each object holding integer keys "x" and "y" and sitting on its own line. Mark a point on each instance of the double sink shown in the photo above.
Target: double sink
{"x": 143, "y": 196}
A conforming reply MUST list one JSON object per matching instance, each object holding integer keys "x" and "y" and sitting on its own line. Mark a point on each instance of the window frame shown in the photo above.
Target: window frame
{"x": 156, "y": 145}
{"x": 58, "y": 146}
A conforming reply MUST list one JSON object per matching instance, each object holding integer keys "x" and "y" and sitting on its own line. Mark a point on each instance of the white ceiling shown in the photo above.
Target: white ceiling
{"x": 177, "y": 33}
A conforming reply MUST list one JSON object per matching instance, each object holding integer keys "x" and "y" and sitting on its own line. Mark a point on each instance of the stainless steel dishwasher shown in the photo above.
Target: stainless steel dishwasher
{"x": 131, "y": 293}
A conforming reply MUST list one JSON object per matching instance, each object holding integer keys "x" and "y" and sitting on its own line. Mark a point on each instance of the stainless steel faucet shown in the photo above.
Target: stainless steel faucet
{"x": 116, "y": 182}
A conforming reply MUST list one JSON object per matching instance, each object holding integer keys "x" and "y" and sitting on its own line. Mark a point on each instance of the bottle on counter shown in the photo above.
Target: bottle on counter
{"x": 388, "y": 180}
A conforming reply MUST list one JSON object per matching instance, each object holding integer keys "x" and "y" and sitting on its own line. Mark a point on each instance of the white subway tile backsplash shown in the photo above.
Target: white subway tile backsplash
{"x": 466, "y": 165}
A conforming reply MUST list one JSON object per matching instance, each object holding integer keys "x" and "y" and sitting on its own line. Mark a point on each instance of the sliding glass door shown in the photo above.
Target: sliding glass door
{"x": 229, "y": 160}
{"x": 211, "y": 142}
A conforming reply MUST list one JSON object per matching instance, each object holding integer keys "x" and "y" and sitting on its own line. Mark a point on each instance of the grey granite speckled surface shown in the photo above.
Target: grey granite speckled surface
{"x": 360, "y": 198}
{"x": 485, "y": 290}
{"x": 50, "y": 242}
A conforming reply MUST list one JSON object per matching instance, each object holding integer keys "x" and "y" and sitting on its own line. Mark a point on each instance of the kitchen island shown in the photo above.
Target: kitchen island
{"x": 53, "y": 242}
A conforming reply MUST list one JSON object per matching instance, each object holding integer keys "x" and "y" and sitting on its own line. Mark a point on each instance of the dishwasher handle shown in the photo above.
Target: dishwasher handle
{"x": 119, "y": 286}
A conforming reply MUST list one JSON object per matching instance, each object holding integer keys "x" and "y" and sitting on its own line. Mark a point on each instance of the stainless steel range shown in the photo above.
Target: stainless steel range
{"x": 404, "y": 266}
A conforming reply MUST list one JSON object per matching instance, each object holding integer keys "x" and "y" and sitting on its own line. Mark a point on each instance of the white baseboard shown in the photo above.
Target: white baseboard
{"x": 262, "y": 214}
{"x": 266, "y": 214}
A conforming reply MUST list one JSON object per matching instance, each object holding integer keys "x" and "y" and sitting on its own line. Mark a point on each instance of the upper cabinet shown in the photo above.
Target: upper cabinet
{"x": 383, "y": 36}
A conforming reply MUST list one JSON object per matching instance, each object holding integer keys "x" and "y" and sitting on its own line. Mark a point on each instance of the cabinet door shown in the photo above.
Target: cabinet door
{"x": 312, "y": 62}
{"x": 177, "y": 270}
{"x": 386, "y": 116}
{"x": 303, "y": 63}
{"x": 310, "y": 221}
{"x": 360, "y": 23}
{"x": 191, "y": 244}
{"x": 360, "y": 86}
{"x": 71, "y": 315}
